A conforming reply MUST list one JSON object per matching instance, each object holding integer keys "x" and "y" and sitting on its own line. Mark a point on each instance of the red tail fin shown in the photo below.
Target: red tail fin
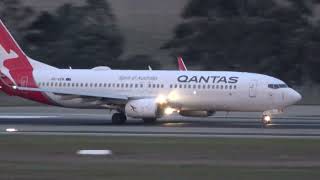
{"x": 14, "y": 64}
{"x": 11, "y": 55}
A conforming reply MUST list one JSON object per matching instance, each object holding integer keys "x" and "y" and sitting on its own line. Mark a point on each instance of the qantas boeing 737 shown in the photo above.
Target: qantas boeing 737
{"x": 140, "y": 94}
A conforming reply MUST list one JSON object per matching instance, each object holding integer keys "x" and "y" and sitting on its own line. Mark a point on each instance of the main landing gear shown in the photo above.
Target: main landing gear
{"x": 119, "y": 118}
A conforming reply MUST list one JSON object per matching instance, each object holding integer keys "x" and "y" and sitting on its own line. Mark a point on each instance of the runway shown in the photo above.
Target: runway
{"x": 297, "y": 122}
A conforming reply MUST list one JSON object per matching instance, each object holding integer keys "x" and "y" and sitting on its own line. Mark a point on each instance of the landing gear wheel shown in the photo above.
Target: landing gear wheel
{"x": 266, "y": 120}
{"x": 119, "y": 118}
{"x": 149, "y": 120}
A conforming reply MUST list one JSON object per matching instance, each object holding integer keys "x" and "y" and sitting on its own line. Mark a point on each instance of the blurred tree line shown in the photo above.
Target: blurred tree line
{"x": 275, "y": 37}
{"x": 77, "y": 36}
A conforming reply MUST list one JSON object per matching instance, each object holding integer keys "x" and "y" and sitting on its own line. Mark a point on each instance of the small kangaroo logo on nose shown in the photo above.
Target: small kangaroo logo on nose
{"x": 4, "y": 55}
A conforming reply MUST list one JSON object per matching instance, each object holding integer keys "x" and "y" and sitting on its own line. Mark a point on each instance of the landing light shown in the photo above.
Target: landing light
{"x": 267, "y": 118}
{"x": 169, "y": 110}
{"x": 161, "y": 99}
{"x": 173, "y": 96}
{"x": 14, "y": 87}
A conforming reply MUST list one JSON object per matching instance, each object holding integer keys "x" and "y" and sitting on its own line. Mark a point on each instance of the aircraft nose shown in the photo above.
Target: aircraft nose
{"x": 294, "y": 96}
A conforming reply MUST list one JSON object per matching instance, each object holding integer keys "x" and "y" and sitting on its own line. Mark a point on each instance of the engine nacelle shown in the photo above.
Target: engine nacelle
{"x": 142, "y": 108}
{"x": 191, "y": 113}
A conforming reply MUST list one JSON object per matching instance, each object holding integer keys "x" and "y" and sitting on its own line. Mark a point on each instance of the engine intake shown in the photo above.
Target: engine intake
{"x": 143, "y": 108}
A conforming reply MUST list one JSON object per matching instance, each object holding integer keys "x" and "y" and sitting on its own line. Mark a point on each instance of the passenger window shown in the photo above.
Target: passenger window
{"x": 180, "y": 86}
{"x": 175, "y": 86}
{"x": 213, "y": 86}
{"x": 189, "y": 86}
{"x": 226, "y": 87}
{"x": 217, "y": 86}
{"x": 194, "y": 86}
{"x": 141, "y": 85}
{"x": 185, "y": 86}
{"x": 221, "y": 87}
{"x": 234, "y": 87}
{"x": 208, "y": 87}
{"x": 153, "y": 85}
{"x": 199, "y": 86}
{"x": 230, "y": 87}
{"x": 204, "y": 86}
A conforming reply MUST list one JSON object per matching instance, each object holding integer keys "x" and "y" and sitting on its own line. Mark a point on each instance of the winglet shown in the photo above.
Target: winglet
{"x": 182, "y": 66}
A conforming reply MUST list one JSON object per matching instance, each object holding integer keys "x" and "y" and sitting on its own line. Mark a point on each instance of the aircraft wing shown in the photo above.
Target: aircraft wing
{"x": 79, "y": 94}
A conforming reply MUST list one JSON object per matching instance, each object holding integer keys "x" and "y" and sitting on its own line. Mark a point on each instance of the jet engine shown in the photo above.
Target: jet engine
{"x": 192, "y": 113}
{"x": 143, "y": 108}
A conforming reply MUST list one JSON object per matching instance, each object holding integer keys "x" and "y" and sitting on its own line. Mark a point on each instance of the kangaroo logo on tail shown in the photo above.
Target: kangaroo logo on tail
{"x": 4, "y": 55}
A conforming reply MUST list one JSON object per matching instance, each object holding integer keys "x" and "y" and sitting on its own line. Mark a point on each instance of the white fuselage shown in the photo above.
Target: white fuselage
{"x": 189, "y": 90}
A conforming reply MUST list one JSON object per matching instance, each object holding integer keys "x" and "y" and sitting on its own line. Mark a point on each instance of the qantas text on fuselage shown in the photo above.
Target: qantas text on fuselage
{"x": 207, "y": 79}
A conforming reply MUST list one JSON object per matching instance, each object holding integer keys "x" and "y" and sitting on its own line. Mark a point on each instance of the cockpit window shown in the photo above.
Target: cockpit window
{"x": 283, "y": 85}
{"x": 277, "y": 86}
{"x": 270, "y": 86}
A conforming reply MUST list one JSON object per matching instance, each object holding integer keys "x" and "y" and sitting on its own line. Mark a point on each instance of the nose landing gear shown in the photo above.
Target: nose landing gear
{"x": 266, "y": 120}
{"x": 267, "y": 116}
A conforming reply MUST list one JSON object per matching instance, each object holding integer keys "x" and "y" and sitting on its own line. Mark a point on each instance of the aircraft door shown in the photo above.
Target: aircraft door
{"x": 253, "y": 89}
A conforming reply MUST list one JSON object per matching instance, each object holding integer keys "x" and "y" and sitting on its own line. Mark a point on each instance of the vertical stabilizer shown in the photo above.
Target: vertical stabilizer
{"x": 182, "y": 66}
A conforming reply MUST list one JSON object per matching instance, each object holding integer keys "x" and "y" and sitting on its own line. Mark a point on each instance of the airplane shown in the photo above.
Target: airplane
{"x": 143, "y": 94}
